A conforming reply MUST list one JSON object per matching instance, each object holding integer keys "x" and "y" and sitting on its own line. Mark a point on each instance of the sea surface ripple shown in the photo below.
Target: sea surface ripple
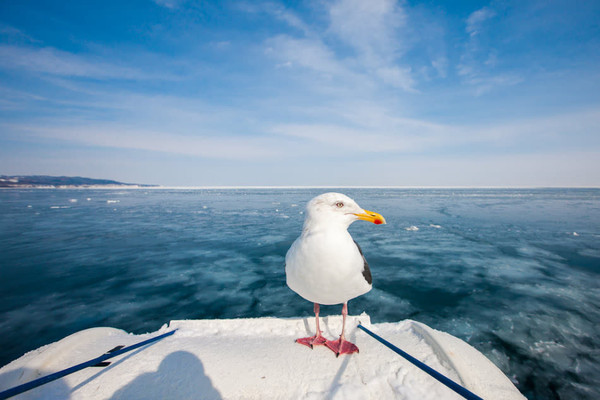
{"x": 514, "y": 272}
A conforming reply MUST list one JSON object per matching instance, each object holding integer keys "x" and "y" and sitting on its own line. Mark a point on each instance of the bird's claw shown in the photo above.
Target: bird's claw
{"x": 341, "y": 346}
{"x": 312, "y": 341}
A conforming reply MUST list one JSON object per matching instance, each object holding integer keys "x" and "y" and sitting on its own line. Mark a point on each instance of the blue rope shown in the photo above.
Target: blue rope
{"x": 57, "y": 375}
{"x": 446, "y": 381}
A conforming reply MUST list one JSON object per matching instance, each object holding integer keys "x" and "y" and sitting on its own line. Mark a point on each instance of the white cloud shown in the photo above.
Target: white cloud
{"x": 389, "y": 134}
{"x": 276, "y": 10}
{"x": 308, "y": 53}
{"x": 171, "y": 4}
{"x": 559, "y": 130}
{"x": 486, "y": 83}
{"x": 13, "y": 34}
{"x": 287, "y": 64}
{"x": 374, "y": 30}
{"x": 397, "y": 77}
{"x": 476, "y": 19}
{"x": 356, "y": 130}
{"x": 370, "y": 27}
{"x": 11, "y": 99}
{"x": 221, "y": 45}
{"x": 478, "y": 64}
{"x": 288, "y": 17}
{"x": 335, "y": 140}
{"x": 440, "y": 65}
{"x": 525, "y": 169}
{"x": 114, "y": 135}
{"x": 52, "y": 61}
{"x": 347, "y": 80}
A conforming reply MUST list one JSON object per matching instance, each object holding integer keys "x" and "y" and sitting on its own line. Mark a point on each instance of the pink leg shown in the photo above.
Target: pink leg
{"x": 342, "y": 346}
{"x": 316, "y": 340}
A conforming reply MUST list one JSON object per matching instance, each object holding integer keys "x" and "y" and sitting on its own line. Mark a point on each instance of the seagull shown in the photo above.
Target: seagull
{"x": 326, "y": 266}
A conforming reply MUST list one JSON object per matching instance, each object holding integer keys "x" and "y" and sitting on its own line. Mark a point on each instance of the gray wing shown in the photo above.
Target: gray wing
{"x": 366, "y": 272}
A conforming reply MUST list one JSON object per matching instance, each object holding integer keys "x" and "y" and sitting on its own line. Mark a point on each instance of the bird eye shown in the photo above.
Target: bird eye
{"x": 339, "y": 204}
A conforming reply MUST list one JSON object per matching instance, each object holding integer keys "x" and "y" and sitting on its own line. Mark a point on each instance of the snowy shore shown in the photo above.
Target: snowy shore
{"x": 257, "y": 358}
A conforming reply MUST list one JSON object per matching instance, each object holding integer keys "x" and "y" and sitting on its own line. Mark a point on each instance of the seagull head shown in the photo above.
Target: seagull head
{"x": 336, "y": 209}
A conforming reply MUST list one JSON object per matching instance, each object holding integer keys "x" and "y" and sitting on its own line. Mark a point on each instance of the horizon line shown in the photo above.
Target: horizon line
{"x": 258, "y": 187}
{"x": 363, "y": 187}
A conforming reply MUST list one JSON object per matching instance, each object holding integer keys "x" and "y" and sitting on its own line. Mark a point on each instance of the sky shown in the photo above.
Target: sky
{"x": 303, "y": 93}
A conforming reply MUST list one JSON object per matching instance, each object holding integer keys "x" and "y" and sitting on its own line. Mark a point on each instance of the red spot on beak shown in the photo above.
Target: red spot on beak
{"x": 377, "y": 221}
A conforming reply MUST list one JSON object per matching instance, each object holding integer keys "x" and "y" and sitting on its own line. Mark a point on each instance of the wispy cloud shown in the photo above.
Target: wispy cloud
{"x": 178, "y": 125}
{"x": 374, "y": 30}
{"x": 13, "y": 100}
{"x": 476, "y": 20}
{"x": 389, "y": 134}
{"x": 371, "y": 29}
{"x": 117, "y": 136}
{"x": 52, "y": 61}
{"x": 523, "y": 169}
{"x": 307, "y": 53}
{"x": 282, "y": 14}
{"x": 385, "y": 85}
{"x": 478, "y": 63}
{"x": 10, "y": 34}
{"x": 172, "y": 4}
{"x": 485, "y": 83}
{"x": 440, "y": 65}
{"x": 399, "y": 77}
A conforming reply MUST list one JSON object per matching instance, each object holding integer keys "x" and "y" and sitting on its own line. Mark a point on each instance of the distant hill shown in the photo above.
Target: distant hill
{"x": 33, "y": 181}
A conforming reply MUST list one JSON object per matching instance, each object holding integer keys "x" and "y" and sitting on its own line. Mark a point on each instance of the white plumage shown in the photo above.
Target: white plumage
{"x": 325, "y": 265}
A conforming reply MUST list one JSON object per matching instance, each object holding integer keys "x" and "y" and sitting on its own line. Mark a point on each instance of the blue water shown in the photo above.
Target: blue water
{"x": 513, "y": 272}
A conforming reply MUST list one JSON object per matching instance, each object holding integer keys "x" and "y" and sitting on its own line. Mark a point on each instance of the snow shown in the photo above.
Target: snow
{"x": 257, "y": 358}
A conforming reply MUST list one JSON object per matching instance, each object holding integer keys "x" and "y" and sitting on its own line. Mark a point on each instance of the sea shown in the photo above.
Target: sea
{"x": 513, "y": 272}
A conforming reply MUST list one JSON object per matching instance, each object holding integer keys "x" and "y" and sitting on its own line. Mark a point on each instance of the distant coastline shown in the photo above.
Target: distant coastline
{"x": 62, "y": 182}
{"x": 76, "y": 182}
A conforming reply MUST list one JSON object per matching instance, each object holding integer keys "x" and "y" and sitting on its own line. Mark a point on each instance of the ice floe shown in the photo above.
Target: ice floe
{"x": 257, "y": 358}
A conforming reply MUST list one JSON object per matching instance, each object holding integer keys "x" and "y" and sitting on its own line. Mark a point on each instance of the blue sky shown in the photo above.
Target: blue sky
{"x": 349, "y": 92}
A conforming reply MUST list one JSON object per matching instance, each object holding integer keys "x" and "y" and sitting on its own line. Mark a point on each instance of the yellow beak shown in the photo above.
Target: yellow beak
{"x": 371, "y": 217}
